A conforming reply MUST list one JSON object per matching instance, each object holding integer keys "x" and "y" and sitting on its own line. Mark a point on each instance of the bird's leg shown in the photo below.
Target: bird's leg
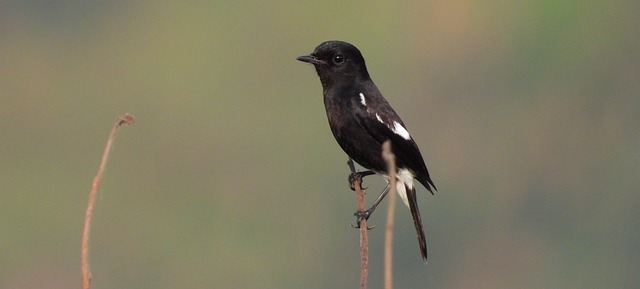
{"x": 367, "y": 213}
{"x": 351, "y": 165}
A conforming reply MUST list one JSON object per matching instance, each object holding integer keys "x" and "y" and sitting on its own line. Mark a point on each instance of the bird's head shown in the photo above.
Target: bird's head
{"x": 337, "y": 61}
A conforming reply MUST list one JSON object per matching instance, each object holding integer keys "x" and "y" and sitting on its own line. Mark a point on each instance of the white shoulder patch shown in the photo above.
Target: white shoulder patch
{"x": 362, "y": 100}
{"x": 400, "y": 130}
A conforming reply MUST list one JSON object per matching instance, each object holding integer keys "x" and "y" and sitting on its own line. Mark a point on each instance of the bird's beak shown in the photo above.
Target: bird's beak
{"x": 310, "y": 59}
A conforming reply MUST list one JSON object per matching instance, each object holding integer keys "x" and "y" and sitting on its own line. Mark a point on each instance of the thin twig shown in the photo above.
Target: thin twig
{"x": 390, "y": 158}
{"x": 84, "y": 262}
{"x": 364, "y": 238}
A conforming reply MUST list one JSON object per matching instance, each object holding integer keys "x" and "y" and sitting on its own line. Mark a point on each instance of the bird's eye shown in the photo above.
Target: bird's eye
{"x": 338, "y": 59}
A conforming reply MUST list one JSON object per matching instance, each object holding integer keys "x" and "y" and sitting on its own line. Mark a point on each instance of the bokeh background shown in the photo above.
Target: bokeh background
{"x": 528, "y": 115}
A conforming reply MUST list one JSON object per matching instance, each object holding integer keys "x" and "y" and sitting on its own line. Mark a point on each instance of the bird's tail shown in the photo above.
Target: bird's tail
{"x": 417, "y": 221}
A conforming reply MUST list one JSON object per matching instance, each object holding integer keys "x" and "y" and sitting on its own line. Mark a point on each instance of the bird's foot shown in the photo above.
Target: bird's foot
{"x": 357, "y": 176}
{"x": 362, "y": 216}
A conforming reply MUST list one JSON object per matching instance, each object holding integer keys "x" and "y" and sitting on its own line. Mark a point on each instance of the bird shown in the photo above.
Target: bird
{"x": 361, "y": 120}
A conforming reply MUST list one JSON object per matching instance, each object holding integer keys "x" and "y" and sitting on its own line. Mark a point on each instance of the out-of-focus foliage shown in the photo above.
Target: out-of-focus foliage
{"x": 528, "y": 115}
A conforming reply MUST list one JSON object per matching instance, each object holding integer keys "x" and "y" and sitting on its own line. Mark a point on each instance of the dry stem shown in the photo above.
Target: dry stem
{"x": 390, "y": 158}
{"x": 84, "y": 262}
{"x": 364, "y": 239}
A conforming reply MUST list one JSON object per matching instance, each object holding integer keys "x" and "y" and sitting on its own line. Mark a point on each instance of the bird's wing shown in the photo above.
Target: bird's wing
{"x": 378, "y": 118}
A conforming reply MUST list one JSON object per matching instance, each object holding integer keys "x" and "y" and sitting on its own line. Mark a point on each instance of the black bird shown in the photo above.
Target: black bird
{"x": 361, "y": 120}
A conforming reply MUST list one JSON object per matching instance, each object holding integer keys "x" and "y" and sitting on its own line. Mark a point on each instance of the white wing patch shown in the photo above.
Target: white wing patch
{"x": 400, "y": 130}
{"x": 379, "y": 118}
{"x": 362, "y": 100}
{"x": 397, "y": 128}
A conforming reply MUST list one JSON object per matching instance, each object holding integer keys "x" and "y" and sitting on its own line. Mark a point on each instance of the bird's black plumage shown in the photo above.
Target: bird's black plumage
{"x": 361, "y": 120}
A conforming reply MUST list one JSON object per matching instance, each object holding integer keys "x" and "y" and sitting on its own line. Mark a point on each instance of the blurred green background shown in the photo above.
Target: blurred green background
{"x": 528, "y": 115}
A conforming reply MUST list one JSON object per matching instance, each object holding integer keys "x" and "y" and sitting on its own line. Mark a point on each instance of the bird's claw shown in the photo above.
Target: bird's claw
{"x": 358, "y": 226}
{"x": 353, "y": 177}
